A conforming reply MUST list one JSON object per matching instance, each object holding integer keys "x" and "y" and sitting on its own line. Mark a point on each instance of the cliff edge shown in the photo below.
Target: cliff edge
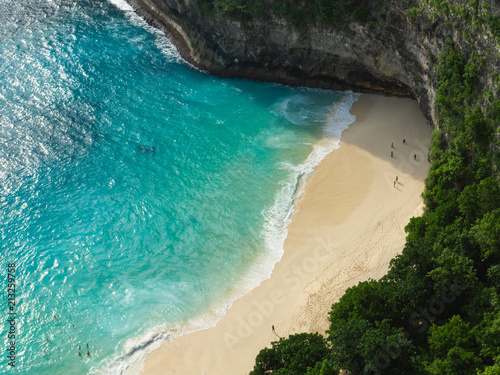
{"x": 393, "y": 55}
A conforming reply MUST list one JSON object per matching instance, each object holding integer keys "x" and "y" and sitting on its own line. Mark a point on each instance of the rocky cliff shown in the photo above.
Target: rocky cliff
{"x": 396, "y": 55}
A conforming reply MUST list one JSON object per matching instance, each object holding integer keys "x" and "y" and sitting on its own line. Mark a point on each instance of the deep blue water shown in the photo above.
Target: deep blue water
{"x": 138, "y": 196}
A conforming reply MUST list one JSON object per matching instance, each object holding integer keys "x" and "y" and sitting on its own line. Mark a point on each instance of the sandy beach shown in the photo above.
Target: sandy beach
{"x": 345, "y": 229}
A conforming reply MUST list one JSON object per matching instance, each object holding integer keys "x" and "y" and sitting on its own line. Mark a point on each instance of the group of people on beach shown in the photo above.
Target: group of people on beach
{"x": 404, "y": 142}
{"x": 392, "y": 155}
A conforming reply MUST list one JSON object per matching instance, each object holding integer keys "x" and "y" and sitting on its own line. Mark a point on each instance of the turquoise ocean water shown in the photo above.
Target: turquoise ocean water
{"x": 138, "y": 196}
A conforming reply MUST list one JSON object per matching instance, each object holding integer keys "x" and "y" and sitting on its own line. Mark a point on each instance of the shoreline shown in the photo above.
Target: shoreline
{"x": 338, "y": 120}
{"x": 349, "y": 207}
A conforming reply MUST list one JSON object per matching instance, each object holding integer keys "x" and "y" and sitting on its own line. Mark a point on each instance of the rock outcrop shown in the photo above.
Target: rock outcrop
{"x": 396, "y": 56}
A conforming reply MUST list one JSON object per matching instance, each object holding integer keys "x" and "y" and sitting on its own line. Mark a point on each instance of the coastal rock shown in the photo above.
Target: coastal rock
{"x": 395, "y": 57}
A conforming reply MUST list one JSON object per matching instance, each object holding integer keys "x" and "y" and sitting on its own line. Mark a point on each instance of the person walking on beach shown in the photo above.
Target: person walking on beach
{"x": 396, "y": 178}
{"x": 272, "y": 327}
{"x": 394, "y": 185}
{"x": 404, "y": 141}
{"x": 392, "y": 145}
{"x": 392, "y": 154}
{"x": 415, "y": 157}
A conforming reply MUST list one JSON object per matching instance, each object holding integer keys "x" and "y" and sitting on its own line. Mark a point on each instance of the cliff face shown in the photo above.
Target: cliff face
{"x": 396, "y": 58}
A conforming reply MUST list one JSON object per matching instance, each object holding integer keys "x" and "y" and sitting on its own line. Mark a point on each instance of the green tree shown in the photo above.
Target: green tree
{"x": 367, "y": 300}
{"x": 323, "y": 368}
{"x": 346, "y": 342}
{"x": 291, "y": 356}
{"x": 487, "y": 234}
{"x": 453, "y": 266}
{"x": 360, "y": 347}
{"x": 386, "y": 350}
{"x": 492, "y": 370}
{"x": 452, "y": 348}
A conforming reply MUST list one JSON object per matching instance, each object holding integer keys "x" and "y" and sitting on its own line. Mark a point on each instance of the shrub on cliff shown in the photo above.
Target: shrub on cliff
{"x": 291, "y": 356}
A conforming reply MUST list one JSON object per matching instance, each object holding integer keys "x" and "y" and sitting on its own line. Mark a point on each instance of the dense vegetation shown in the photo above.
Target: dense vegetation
{"x": 437, "y": 311}
{"x": 474, "y": 13}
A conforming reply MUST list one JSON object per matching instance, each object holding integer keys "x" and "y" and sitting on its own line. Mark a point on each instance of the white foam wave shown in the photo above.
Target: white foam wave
{"x": 338, "y": 120}
{"x": 275, "y": 231}
{"x": 137, "y": 349}
{"x": 279, "y": 216}
{"x": 164, "y": 45}
{"x": 300, "y": 110}
{"x": 122, "y": 4}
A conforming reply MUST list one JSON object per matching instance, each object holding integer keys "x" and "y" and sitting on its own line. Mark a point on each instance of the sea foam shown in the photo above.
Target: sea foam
{"x": 279, "y": 216}
{"x": 164, "y": 45}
